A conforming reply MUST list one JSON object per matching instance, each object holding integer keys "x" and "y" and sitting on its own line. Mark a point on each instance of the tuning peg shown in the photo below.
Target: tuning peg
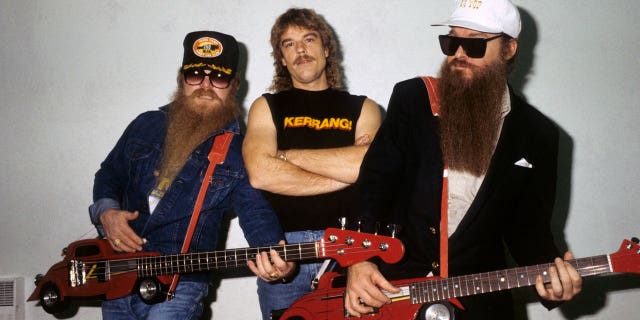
{"x": 359, "y": 227}
{"x": 394, "y": 229}
{"x": 376, "y": 229}
{"x": 635, "y": 240}
{"x": 343, "y": 222}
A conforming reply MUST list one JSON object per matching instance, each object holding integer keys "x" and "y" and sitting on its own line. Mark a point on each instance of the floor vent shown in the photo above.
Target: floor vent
{"x": 11, "y": 298}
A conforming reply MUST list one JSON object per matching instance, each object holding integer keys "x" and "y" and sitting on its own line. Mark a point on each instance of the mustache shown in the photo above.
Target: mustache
{"x": 204, "y": 92}
{"x": 460, "y": 63}
{"x": 303, "y": 58}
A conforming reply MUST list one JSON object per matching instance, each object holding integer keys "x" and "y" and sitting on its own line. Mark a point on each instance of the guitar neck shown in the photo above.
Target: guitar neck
{"x": 223, "y": 259}
{"x": 468, "y": 285}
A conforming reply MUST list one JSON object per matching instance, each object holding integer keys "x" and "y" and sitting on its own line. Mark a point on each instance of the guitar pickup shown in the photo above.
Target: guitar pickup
{"x": 77, "y": 274}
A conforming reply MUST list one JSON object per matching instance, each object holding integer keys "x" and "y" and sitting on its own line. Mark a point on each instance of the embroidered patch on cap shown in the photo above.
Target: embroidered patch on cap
{"x": 207, "y": 47}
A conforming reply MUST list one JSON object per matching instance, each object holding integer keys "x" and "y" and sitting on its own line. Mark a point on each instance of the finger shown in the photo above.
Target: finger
{"x": 556, "y": 285}
{"x": 365, "y": 296}
{"x": 131, "y": 239}
{"x": 254, "y": 269}
{"x": 576, "y": 278}
{"x": 129, "y": 216}
{"x": 115, "y": 244}
{"x": 134, "y": 240}
{"x": 373, "y": 290}
{"x": 566, "y": 291}
{"x": 127, "y": 247}
{"x": 568, "y": 255}
{"x": 382, "y": 283}
{"x": 276, "y": 261}
{"x": 540, "y": 288}
{"x": 259, "y": 263}
{"x": 355, "y": 306}
{"x": 360, "y": 306}
{"x": 116, "y": 225}
{"x": 264, "y": 265}
{"x": 121, "y": 243}
{"x": 348, "y": 305}
{"x": 260, "y": 268}
{"x": 372, "y": 296}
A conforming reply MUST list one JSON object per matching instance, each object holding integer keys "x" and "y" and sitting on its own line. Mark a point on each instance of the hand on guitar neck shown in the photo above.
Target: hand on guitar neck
{"x": 565, "y": 282}
{"x": 270, "y": 267}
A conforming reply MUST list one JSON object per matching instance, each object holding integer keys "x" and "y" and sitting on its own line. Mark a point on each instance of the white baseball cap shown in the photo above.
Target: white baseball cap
{"x": 492, "y": 16}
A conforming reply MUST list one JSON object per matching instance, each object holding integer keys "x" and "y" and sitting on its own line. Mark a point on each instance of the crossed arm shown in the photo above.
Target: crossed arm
{"x": 305, "y": 171}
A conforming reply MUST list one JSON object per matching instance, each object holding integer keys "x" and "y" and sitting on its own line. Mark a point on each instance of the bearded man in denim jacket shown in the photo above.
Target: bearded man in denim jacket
{"x": 146, "y": 188}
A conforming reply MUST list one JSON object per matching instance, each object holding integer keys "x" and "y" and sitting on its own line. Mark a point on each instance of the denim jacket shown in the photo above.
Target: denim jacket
{"x": 125, "y": 180}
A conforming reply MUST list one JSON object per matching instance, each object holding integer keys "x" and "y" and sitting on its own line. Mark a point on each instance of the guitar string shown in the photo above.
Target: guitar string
{"x": 158, "y": 264}
{"x": 460, "y": 286}
{"x": 302, "y": 251}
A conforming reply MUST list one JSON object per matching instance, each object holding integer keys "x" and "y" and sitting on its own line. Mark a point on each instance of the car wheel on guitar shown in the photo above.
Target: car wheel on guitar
{"x": 51, "y": 300}
{"x": 150, "y": 290}
{"x": 436, "y": 311}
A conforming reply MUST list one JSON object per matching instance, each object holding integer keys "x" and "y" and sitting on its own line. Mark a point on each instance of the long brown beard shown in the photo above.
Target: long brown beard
{"x": 470, "y": 115}
{"x": 189, "y": 125}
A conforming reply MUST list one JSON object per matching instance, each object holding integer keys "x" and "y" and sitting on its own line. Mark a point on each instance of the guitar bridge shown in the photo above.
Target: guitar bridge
{"x": 77, "y": 273}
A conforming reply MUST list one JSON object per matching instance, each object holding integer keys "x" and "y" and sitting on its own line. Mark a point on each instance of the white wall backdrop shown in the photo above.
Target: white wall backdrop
{"x": 74, "y": 73}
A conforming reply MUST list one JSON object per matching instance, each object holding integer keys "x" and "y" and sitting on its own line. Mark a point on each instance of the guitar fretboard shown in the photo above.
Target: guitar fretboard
{"x": 468, "y": 285}
{"x": 204, "y": 261}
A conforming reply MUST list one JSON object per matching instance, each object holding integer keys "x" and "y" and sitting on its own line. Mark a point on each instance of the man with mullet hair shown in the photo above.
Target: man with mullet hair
{"x": 306, "y": 171}
{"x": 146, "y": 189}
{"x": 468, "y": 178}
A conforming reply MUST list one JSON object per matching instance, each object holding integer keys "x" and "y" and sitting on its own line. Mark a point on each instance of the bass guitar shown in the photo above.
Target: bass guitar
{"x": 421, "y": 298}
{"x": 91, "y": 268}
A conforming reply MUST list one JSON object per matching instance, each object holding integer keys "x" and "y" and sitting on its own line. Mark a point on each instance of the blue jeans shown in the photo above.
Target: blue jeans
{"x": 277, "y": 296}
{"x": 187, "y": 304}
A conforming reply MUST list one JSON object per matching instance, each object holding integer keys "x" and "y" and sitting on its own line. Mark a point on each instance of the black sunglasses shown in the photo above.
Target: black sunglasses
{"x": 473, "y": 47}
{"x": 195, "y": 77}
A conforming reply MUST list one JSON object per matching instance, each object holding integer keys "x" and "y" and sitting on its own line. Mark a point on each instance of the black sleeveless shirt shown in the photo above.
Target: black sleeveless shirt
{"x": 314, "y": 120}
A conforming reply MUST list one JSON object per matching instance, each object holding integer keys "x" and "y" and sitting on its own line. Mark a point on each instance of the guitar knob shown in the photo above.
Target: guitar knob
{"x": 349, "y": 241}
{"x": 635, "y": 240}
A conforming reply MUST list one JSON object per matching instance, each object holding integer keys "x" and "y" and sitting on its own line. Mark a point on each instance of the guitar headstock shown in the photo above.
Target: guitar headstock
{"x": 349, "y": 247}
{"x": 627, "y": 258}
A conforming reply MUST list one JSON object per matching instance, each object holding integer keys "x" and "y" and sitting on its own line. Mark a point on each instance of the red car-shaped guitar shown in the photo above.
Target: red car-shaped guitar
{"x": 91, "y": 268}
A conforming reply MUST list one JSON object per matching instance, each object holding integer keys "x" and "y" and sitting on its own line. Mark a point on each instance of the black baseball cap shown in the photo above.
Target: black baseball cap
{"x": 210, "y": 50}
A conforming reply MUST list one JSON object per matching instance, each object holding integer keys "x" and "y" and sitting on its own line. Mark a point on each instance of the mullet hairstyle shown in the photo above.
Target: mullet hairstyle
{"x": 308, "y": 19}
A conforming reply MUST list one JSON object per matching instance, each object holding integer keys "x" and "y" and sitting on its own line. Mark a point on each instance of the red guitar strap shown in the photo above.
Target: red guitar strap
{"x": 216, "y": 156}
{"x": 434, "y": 99}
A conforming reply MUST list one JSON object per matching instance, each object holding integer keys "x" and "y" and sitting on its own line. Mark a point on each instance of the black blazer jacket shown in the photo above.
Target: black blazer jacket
{"x": 401, "y": 182}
